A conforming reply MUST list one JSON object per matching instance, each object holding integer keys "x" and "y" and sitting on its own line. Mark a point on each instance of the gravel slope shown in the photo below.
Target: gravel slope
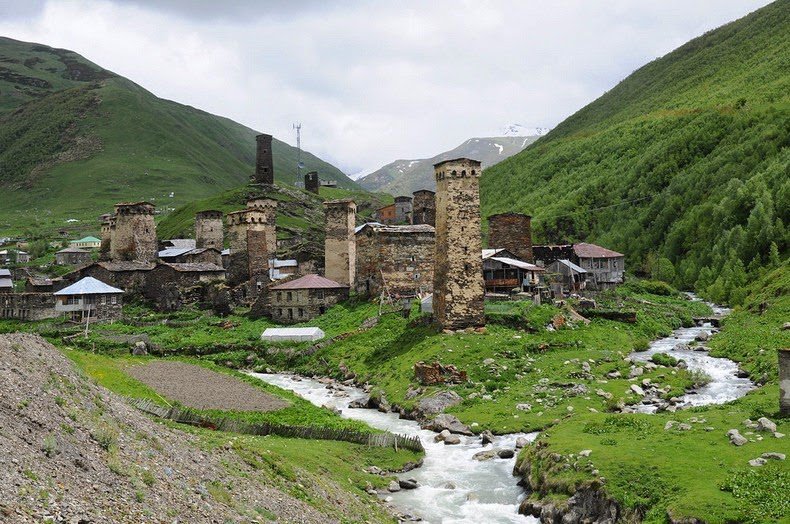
{"x": 71, "y": 451}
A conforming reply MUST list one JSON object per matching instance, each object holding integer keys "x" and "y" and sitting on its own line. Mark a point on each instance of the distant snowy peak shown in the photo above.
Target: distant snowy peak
{"x": 520, "y": 130}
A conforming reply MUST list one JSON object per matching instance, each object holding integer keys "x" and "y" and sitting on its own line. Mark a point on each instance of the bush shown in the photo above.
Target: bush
{"x": 662, "y": 359}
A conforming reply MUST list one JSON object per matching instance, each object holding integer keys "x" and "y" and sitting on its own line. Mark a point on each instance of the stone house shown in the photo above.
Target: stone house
{"x": 28, "y": 306}
{"x": 11, "y": 256}
{"x": 400, "y": 257}
{"x": 39, "y": 285}
{"x": 385, "y": 215}
{"x": 89, "y": 299}
{"x": 169, "y": 286}
{"x": 86, "y": 243}
{"x": 305, "y": 298}
{"x": 129, "y": 276}
{"x": 403, "y": 209}
{"x": 424, "y": 207}
{"x": 73, "y": 256}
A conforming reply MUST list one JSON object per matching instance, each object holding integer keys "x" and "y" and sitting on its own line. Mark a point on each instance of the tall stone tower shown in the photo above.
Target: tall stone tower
{"x": 458, "y": 288}
{"x": 311, "y": 182}
{"x": 208, "y": 229}
{"x": 340, "y": 251}
{"x": 107, "y": 226}
{"x": 424, "y": 207}
{"x": 264, "y": 160}
{"x": 252, "y": 236}
{"x": 134, "y": 237}
{"x": 511, "y": 231}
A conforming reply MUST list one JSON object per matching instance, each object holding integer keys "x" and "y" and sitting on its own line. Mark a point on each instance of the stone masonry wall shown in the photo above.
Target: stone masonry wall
{"x": 209, "y": 229}
{"x": 458, "y": 291}
{"x": 134, "y": 237}
{"x": 286, "y": 305}
{"x": 28, "y": 306}
{"x": 511, "y": 231}
{"x": 340, "y": 245}
{"x": 424, "y": 207}
{"x": 405, "y": 258}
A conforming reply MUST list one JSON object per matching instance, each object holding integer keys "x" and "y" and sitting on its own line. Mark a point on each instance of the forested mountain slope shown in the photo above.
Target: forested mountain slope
{"x": 686, "y": 159}
{"x": 76, "y": 138}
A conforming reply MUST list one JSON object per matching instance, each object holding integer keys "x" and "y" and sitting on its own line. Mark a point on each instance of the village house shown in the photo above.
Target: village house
{"x": 395, "y": 258}
{"x": 305, "y": 298}
{"x": 89, "y": 299}
{"x": 73, "y": 256}
{"x": 6, "y": 282}
{"x": 605, "y": 268}
{"x": 170, "y": 286}
{"x": 127, "y": 275}
{"x": 28, "y": 306}
{"x": 504, "y": 273}
{"x": 570, "y": 278}
{"x": 13, "y": 256}
{"x": 385, "y": 215}
{"x": 403, "y": 209}
{"x": 35, "y": 284}
{"x": 198, "y": 255}
{"x": 88, "y": 242}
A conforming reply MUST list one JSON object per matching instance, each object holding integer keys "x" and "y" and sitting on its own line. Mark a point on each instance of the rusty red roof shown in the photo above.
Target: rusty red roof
{"x": 585, "y": 250}
{"x": 310, "y": 282}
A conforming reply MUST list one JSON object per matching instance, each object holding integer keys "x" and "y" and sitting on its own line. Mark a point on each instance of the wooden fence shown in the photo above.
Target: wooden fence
{"x": 193, "y": 418}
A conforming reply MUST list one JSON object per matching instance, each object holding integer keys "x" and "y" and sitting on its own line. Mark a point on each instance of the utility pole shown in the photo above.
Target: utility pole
{"x": 299, "y": 164}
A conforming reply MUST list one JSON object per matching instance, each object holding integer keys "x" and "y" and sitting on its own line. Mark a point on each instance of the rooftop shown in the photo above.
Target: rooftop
{"x": 310, "y": 282}
{"x": 127, "y": 266}
{"x": 476, "y": 162}
{"x": 5, "y": 273}
{"x": 88, "y": 286}
{"x": 73, "y": 249}
{"x": 518, "y": 263}
{"x": 86, "y": 239}
{"x": 572, "y": 266}
{"x": 584, "y": 250}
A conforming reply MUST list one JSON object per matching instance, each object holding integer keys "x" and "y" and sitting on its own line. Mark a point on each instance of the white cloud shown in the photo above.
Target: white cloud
{"x": 374, "y": 81}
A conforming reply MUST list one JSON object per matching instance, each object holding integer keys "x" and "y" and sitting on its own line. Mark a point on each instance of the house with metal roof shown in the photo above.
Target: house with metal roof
{"x": 503, "y": 273}
{"x": 571, "y": 277}
{"x": 605, "y": 268}
{"x": 6, "y": 282}
{"x": 88, "y": 242}
{"x": 304, "y": 298}
{"x": 89, "y": 299}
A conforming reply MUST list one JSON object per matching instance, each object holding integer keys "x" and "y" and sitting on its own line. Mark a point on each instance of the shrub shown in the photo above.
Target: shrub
{"x": 662, "y": 359}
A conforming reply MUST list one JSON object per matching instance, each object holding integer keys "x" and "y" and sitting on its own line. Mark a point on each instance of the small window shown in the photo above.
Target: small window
{"x": 301, "y": 312}
{"x": 319, "y": 294}
{"x": 114, "y": 299}
{"x": 280, "y": 297}
{"x": 290, "y": 313}
{"x": 289, "y": 296}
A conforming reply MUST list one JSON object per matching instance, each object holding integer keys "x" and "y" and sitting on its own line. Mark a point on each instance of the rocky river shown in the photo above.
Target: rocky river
{"x": 456, "y": 488}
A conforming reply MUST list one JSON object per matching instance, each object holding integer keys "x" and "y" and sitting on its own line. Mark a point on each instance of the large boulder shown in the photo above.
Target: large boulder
{"x": 436, "y": 373}
{"x": 438, "y": 402}
{"x": 764, "y": 424}
{"x": 448, "y": 422}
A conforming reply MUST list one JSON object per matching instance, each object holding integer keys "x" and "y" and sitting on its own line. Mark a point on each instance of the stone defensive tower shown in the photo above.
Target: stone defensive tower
{"x": 511, "y": 231}
{"x": 424, "y": 207}
{"x": 107, "y": 227}
{"x": 340, "y": 245}
{"x": 208, "y": 229}
{"x": 252, "y": 236}
{"x": 458, "y": 287}
{"x": 311, "y": 182}
{"x": 134, "y": 236}
{"x": 264, "y": 160}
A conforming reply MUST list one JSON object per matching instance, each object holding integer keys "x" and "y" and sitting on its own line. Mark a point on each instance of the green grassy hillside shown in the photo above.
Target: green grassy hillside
{"x": 686, "y": 159}
{"x": 75, "y": 138}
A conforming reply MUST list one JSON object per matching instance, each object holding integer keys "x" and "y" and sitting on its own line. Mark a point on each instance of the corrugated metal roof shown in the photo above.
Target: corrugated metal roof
{"x": 173, "y": 252}
{"x": 488, "y": 253}
{"x": 382, "y": 228}
{"x": 202, "y": 267}
{"x": 73, "y": 249}
{"x": 359, "y": 228}
{"x": 88, "y": 286}
{"x": 571, "y": 265}
{"x": 518, "y": 263}
{"x": 6, "y": 283}
{"x": 585, "y": 250}
{"x": 310, "y": 282}
{"x": 5, "y": 272}
{"x": 86, "y": 239}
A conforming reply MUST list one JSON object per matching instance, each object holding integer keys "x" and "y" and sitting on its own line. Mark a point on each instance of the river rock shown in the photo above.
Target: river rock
{"x": 360, "y": 403}
{"x": 742, "y": 374}
{"x": 604, "y": 394}
{"x": 585, "y": 453}
{"x": 521, "y": 442}
{"x": 681, "y": 347}
{"x": 452, "y": 440}
{"x": 773, "y": 456}
{"x": 614, "y": 374}
{"x": 438, "y": 402}
{"x": 736, "y": 438}
{"x": 636, "y": 372}
{"x": 764, "y": 424}
{"x": 682, "y": 364}
{"x": 702, "y": 337}
{"x": 394, "y": 486}
{"x": 407, "y": 484}
{"x": 758, "y": 462}
{"x": 506, "y": 453}
{"x": 487, "y": 437}
{"x": 488, "y": 454}
{"x": 449, "y": 485}
{"x": 448, "y": 422}
{"x": 442, "y": 435}
{"x": 638, "y": 390}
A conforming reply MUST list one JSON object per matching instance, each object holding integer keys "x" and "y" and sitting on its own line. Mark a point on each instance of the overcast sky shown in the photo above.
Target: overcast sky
{"x": 373, "y": 81}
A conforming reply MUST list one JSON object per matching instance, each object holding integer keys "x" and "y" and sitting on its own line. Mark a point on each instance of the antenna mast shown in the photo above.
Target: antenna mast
{"x": 299, "y": 164}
